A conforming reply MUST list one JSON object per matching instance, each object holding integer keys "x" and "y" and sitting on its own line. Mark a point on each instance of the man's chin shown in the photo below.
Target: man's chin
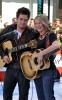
{"x": 23, "y": 27}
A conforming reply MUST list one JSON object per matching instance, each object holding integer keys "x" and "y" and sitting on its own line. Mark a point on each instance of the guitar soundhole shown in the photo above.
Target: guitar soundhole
{"x": 35, "y": 60}
{"x": 6, "y": 51}
{"x": 37, "y": 51}
{"x": 31, "y": 51}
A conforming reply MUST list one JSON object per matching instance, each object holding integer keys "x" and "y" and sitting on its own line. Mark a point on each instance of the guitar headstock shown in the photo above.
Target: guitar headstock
{"x": 32, "y": 43}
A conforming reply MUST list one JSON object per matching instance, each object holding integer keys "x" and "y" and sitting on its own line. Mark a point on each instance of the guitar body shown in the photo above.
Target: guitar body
{"x": 8, "y": 48}
{"x": 45, "y": 64}
{"x": 2, "y": 63}
{"x": 6, "y": 45}
{"x": 27, "y": 70}
{"x": 30, "y": 68}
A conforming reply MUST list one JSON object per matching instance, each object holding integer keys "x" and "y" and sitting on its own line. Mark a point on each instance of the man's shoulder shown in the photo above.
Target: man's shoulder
{"x": 13, "y": 26}
{"x": 8, "y": 29}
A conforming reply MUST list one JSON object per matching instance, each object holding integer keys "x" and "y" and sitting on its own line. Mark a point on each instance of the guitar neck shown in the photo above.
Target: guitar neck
{"x": 32, "y": 44}
{"x": 50, "y": 53}
{"x": 14, "y": 49}
{"x": 23, "y": 46}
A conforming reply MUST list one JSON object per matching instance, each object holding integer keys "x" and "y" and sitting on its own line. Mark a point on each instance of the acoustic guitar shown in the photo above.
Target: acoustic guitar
{"x": 8, "y": 48}
{"x": 29, "y": 65}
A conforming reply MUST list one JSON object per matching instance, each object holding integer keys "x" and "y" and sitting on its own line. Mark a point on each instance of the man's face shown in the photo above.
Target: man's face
{"x": 22, "y": 21}
{"x": 31, "y": 23}
{"x": 14, "y": 21}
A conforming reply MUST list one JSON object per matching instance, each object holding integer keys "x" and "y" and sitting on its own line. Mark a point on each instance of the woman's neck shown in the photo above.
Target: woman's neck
{"x": 42, "y": 36}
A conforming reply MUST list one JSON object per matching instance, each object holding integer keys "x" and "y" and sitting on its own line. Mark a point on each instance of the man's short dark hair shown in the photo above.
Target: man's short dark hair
{"x": 24, "y": 11}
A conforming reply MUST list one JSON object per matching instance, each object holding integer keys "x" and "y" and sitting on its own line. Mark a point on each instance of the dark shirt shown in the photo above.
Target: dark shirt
{"x": 42, "y": 44}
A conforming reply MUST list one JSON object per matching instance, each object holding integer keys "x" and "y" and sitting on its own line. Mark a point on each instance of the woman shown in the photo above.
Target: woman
{"x": 48, "y": 41}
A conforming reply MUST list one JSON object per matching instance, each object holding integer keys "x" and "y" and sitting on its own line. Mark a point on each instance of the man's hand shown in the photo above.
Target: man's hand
{"x": 6, "y": 59}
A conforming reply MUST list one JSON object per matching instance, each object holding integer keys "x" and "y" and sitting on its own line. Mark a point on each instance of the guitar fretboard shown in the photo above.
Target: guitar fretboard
{"x": 14, "y": 49}
{"x": 22, "y": 46}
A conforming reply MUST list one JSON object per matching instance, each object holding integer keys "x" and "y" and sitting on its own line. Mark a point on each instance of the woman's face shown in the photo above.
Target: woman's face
{"x": 39, "y": 26}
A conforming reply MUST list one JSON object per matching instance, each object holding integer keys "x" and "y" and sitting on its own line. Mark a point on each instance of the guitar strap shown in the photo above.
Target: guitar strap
{"x": 47, "y": 40}
{"x": 24, "y": 36}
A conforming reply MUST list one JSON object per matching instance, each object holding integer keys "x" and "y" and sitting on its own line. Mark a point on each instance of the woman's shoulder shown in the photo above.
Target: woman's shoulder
{"x": 52, "y": 34}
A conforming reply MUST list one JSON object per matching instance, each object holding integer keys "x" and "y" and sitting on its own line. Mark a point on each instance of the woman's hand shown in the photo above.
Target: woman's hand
{"x": 40, "y": 58}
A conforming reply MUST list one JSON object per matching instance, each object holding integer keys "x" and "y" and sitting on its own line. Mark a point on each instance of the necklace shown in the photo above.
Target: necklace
{"x": 42, "y": 36}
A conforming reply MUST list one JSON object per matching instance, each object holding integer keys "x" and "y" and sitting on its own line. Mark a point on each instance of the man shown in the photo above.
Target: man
{"x": 14, "y": 20}
{"x": 31, "y": 23}
{"x": 22, "y": 34}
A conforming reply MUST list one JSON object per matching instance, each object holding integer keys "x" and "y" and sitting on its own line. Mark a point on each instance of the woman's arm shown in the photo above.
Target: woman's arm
{"x": 55, "y": 45}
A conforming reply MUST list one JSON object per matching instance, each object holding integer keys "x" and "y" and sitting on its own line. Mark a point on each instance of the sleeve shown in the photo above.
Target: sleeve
{"x": 5, "y": 30}
{"x": 3, "y": 38}
{"x": 4, "y": 33}
{"x": 52, "y": 37}
{"x": 2, "y": 53}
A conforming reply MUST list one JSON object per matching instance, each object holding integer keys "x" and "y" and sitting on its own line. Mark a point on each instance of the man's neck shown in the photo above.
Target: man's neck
{"x": 21, "y": 29}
